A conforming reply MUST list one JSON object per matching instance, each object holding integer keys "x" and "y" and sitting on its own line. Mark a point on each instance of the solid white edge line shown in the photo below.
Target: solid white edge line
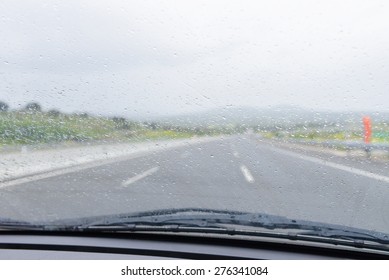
{"x": 67, "y": 170}
{"x": 338, "y": 166}
{"x": 247, "y": 174}
{"x": 28, "y": 178}
{"x": 140, "y": 176}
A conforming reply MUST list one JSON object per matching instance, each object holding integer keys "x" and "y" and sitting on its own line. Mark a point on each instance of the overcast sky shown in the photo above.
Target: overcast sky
{"x": 166, "y": 57}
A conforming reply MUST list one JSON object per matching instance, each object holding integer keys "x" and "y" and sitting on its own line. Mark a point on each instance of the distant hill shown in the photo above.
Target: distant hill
{"x": 280, "y": 115}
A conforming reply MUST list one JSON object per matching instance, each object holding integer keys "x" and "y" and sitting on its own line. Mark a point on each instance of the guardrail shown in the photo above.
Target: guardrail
{"x": 346, "y": 145}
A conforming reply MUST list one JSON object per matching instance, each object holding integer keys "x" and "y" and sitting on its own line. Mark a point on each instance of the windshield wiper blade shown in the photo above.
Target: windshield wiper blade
{"x": 358, "y": 237}
{"x": 194, "y": 220}
{"x": 229, "y": 222}
{"x": 191, "y": 217}
{"x": 11, "y": 224}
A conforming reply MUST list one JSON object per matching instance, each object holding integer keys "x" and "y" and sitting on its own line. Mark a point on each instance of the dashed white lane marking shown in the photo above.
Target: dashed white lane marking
{"x": 342, "y": 167}
{"x": 140, "y": 176}
{"x": 247, "y": 174}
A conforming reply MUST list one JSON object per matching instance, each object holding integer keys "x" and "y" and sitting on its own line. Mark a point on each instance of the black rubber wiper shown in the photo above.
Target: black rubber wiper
{"x": 190, "y": 217}
{"x": 356, "y": 236}
{"x": 193, "y": 220}
{"x": 228, "y": 222}
{"x": 10, "y": 224}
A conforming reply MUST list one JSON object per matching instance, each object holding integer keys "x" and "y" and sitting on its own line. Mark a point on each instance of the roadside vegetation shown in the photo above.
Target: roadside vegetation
{"x": 32, "y": 125}
{"x": 321, "y": 132}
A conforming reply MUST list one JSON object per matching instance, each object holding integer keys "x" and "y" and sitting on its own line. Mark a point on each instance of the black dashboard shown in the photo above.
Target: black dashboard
{"x": 149, "y": 246}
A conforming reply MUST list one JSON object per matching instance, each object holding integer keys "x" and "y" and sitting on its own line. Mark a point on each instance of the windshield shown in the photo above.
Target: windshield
{"x": 249, "y": 116}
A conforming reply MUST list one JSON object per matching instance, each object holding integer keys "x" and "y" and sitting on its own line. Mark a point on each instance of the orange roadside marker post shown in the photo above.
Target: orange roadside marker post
{"x": 367, "y": 134}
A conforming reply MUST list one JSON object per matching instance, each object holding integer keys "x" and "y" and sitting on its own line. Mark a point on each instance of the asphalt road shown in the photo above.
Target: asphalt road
{"x": 241, "y": 173}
